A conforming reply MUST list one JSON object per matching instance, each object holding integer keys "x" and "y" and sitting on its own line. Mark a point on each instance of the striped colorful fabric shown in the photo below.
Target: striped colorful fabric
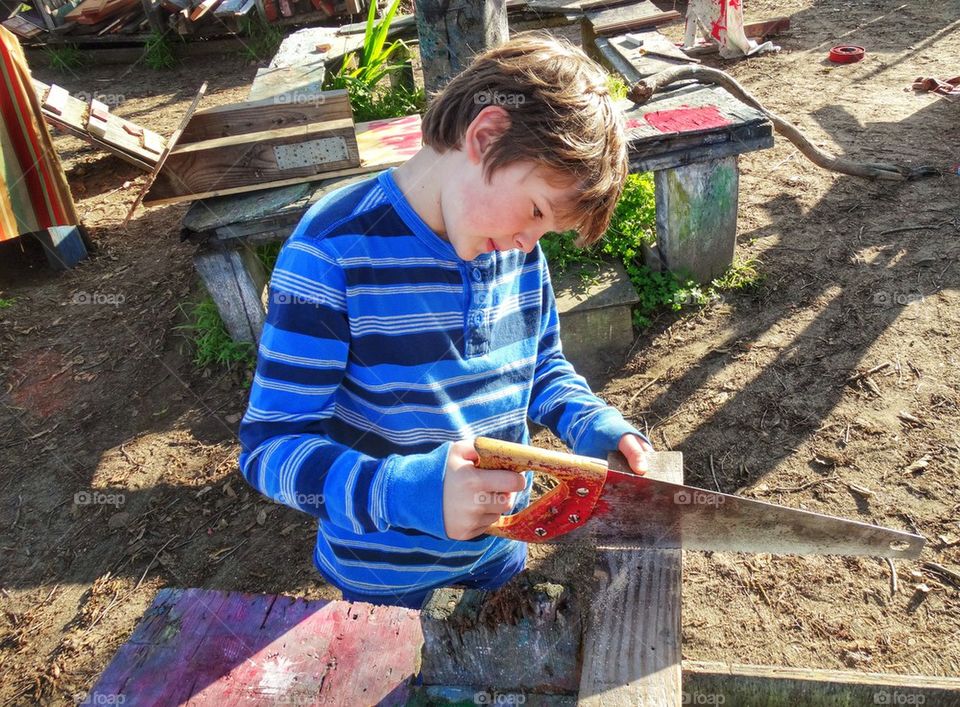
{"x": 34, "y": 194}
{"x": 381, "y": 348}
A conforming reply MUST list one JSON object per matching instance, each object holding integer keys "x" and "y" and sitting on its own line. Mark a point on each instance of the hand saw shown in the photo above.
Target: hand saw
{"x": 596, "y": 504}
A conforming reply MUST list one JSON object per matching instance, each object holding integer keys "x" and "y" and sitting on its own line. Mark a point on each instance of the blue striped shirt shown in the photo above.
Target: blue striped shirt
{"x": 380, "y": 348}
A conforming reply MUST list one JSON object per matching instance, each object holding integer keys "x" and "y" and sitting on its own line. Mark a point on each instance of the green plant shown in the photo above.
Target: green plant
{"x": 7, "y": 303}
{"x": 372, "y": 62}
{"x": 263, "y": 38}
{"x": 158, "y": 51}
{"x": 616, "y": 86}
{"x": 65, "y": 58}
{"x": 375, "y": 103}
{"x": 212, "y": 343}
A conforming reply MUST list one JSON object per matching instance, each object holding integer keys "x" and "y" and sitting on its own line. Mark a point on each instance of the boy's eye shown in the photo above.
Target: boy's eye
{"x": 536, "y": 212}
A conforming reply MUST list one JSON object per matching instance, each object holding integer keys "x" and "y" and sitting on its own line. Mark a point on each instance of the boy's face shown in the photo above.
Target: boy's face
{"x": 511, "y": 210}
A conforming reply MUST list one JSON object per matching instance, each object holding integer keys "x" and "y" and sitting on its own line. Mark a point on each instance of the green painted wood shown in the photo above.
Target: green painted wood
{"x": 697, "y": 217}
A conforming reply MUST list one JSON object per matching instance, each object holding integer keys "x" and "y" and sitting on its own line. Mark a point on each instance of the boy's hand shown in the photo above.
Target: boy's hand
{"x": 474, "y": 499}
{"x": 635, "y": 450}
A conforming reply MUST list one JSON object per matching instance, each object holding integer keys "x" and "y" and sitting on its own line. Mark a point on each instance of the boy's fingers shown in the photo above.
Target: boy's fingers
{"x": 499, "y": 481}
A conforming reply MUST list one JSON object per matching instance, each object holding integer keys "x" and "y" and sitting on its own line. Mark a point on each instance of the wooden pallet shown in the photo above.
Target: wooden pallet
{"x": 92, "y": 121}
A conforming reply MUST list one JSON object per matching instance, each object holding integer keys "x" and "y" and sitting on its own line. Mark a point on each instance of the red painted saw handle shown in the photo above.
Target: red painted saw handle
{"x": 567, "y": 506}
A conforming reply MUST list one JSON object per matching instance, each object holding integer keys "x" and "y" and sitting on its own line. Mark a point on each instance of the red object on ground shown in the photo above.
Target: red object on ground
{"x": 846, "y": 54}
{"x": 682, "y": 120}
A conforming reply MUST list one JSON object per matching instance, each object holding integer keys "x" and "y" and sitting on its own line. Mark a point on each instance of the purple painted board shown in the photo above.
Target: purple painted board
{"x": 201, "y": 647}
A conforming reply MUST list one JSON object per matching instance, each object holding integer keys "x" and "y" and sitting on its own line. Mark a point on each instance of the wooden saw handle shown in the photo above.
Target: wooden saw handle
{"x": 567, "y": 506}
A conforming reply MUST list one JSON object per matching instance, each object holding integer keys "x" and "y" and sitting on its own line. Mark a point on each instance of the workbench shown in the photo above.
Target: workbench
{"x": 689, "y": 137}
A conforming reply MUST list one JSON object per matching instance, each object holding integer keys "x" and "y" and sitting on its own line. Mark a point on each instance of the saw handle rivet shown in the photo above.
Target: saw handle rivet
{"x": 539, "y": 532}
{"x": 574, "y": 518}
{"x": 581, "y": 492}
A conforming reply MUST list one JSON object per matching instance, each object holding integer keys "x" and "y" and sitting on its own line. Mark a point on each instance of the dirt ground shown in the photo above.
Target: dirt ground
{"x": 118, "y": 467}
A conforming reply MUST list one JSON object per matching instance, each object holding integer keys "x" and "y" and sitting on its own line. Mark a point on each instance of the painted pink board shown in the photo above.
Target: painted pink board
{"x": 388, "y": 142}
{"x": 682, "y": 120}
{"x": 207, "y": 648}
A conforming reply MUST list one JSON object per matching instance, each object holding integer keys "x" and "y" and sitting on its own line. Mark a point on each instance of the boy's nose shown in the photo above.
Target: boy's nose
{"x": 525, "y": 241}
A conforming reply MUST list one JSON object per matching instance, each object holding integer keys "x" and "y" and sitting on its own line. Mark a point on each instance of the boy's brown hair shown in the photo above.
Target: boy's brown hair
{"x": 561, "y": 117}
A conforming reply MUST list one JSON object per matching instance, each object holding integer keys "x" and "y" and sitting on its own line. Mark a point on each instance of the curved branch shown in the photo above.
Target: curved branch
{"x": 643, "y": 90}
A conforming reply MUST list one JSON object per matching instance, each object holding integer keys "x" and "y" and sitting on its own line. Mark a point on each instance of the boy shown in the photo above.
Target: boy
{"x": 412, "y": 312}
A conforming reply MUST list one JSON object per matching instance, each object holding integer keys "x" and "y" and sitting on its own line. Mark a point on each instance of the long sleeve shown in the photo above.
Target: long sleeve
{"x": 561, "y": 399}
{"x": 288, "y": 453}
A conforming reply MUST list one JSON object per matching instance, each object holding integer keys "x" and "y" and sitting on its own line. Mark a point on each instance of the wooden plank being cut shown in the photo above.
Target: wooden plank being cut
{"x": 257, "y": 159}
{"x": 631, "y": 645}
{"x": 206, "y": 648}
{"x": 282, "y": 111}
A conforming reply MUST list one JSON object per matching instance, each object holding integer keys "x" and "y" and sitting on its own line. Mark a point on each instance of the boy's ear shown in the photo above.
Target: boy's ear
{"x": 483, "y": 131}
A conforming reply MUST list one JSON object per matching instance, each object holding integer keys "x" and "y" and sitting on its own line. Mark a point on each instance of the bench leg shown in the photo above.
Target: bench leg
{"x": 697, "y": 217}
{"x": 63, "y": 246}
{"x": 235, "y": 280}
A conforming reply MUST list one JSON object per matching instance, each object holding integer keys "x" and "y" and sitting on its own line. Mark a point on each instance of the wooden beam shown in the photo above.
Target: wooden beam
{"x": 710, "y": 683}
{"x": 235, "y": 280}
{"x": 631, "y": 643}
{"x": 282, "y": 111}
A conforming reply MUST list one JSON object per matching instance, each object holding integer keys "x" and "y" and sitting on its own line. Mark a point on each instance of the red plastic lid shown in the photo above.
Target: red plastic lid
{"x": 846, "y": 54}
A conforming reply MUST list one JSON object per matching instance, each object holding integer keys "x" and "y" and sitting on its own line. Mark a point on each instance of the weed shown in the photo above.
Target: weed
{"x": 212, "y": 343}
{"x": 158, "y": 52}
{"x": 616, "y": 86}
{"x": 263, "y": 38}
{"x": 7, "y": 303}
{"x": 65, "y": 58}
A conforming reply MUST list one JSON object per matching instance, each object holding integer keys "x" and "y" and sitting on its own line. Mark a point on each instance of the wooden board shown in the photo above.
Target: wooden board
{"x": 267, "y": 114}
{"x": 163, "y": 157}
{"x": 381, "y": 144}
{"x": 629, "y": 17}
{"x": 254, "y": 160}
{"x": 111, "y": 134}
{"x": 211, "y": 648}
{"x": 631, "y": 643}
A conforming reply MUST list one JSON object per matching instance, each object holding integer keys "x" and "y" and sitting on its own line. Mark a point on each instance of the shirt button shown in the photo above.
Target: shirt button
{"x": 477, "y": 275}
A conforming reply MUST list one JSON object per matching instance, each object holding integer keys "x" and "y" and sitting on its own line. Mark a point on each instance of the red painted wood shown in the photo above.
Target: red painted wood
{"x": 209, "y": 648}
{"x": 685, "y": 119}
